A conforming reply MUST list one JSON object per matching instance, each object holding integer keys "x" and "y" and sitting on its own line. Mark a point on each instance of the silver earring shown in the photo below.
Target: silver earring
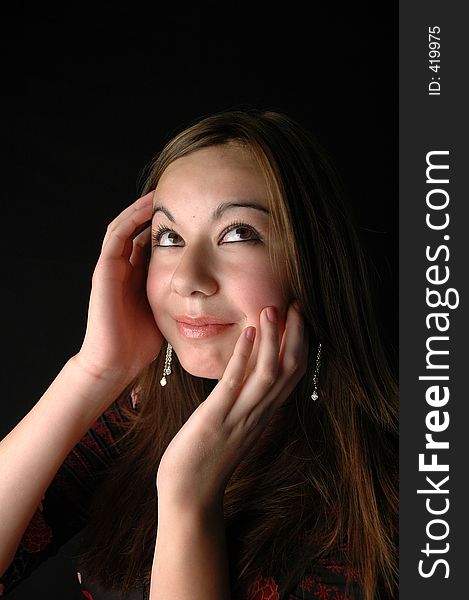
{"x": 167, "y": 365}
{"x": 315, "y": 395}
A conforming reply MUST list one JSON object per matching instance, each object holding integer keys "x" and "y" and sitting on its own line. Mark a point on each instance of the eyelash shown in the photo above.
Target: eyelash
{"x": 161, "y": 229}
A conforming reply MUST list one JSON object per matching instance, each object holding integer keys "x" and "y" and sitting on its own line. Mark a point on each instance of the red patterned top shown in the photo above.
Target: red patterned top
{"x": 64, "y": 509}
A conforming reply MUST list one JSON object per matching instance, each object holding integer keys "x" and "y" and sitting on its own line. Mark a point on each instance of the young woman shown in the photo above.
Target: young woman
{"x": 251, "y": 451}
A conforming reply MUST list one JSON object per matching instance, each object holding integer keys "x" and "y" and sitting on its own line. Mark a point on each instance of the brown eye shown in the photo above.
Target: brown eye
{"x": 163, "y": 235}
{"x": 241, "y": 233}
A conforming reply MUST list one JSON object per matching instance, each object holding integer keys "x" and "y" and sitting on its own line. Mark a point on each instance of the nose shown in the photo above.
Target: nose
{"x": 194, "y": 273}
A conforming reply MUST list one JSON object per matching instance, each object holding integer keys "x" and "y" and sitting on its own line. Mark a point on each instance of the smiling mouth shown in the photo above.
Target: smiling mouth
{"x": 192, "y": 331}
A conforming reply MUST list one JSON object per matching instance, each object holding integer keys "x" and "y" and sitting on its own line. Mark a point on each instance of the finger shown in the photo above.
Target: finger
{"x": 294, "y": 379}
{"x": 292, "y": 361}
{"x": 227, "y": 389}
{"x": 264, "y": 375}
{"x": 119, "y": 240}
{"x": 137, "y": 205}
{"x": 293, "y": 356}
{"x": 141, "y": 248}
{"x": 290, "y": 350}
{"x": 142, "y": 203}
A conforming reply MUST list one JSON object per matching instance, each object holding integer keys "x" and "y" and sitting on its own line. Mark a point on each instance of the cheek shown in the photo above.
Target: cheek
{"x": 261, "y": 287}
{"x": 158, "y": 281}
{"x": 256, "y": 287}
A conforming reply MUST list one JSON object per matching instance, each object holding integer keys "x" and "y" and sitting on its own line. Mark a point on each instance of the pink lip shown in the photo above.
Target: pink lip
{"x": 201, "y": 331}
{"x": 205, "y": 320}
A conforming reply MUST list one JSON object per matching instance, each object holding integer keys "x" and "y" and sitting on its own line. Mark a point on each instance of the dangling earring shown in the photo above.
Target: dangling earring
{"x": 167, "y": 365}
{"x": 315, "y": 395}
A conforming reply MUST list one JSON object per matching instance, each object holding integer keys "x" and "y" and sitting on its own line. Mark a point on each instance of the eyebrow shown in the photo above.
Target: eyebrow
{"x": 218, "y": 212}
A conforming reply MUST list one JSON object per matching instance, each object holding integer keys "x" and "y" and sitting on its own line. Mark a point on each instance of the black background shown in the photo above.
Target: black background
{"x": 90, "y": 94}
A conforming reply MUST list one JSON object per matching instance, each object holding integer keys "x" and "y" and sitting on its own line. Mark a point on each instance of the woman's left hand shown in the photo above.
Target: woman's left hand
{"x": 198, "y": 463}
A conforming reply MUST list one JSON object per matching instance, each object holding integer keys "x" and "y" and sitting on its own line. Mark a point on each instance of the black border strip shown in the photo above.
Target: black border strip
{"x": 433, "y": 132}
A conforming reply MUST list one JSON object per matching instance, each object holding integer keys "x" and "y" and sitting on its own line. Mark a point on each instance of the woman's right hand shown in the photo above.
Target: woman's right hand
{"x": 121, "y": 335}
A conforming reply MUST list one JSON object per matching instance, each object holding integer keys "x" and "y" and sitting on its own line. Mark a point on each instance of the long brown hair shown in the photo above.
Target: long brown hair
{"x": 323, "y": 474}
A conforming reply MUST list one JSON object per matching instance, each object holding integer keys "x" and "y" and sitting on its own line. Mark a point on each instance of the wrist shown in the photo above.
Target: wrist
{"x": 192, "y": 513}
{"x": 115, "y": 378}
{"x": 94, "y": 392}
{"x": 190, "y": 507}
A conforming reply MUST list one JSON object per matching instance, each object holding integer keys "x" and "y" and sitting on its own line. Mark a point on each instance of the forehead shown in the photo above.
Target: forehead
{"x": 218, "y": 173}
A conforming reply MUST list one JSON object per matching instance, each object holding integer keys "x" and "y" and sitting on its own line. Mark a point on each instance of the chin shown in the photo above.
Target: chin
{"x": 208, "y": 367}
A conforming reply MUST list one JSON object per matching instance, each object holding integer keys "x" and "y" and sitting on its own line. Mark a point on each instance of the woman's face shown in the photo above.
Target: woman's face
{"x": 210, "y": 256}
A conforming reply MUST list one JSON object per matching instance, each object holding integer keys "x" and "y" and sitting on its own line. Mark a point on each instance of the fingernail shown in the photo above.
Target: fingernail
{"x": 296, "y": 306}
{"x": 272, "y": 314}
{"x": 251, "y": 333}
